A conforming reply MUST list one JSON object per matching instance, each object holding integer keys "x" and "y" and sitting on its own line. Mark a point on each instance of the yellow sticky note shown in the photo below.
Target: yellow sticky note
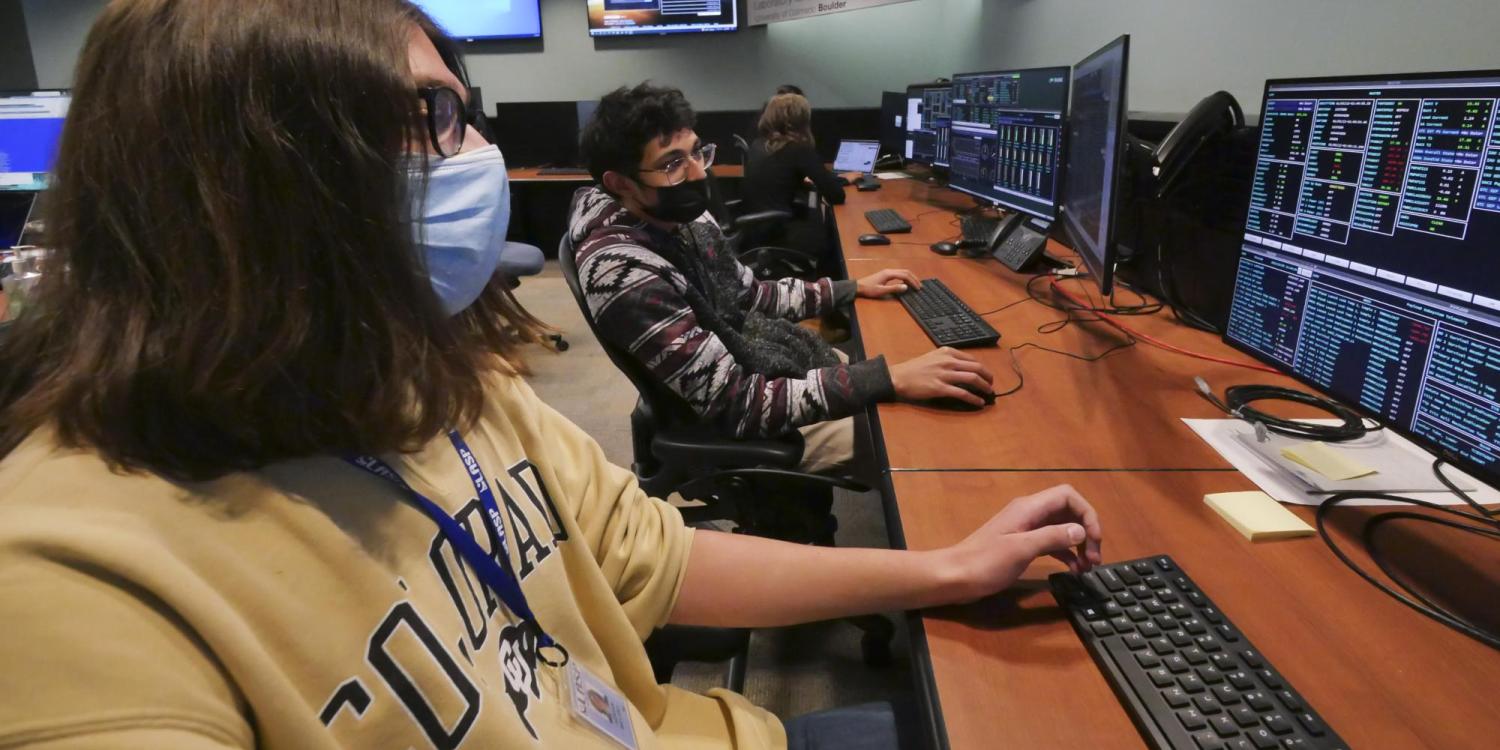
{"x": 1327, "y": 460}
{"x": 1257, "y": 516}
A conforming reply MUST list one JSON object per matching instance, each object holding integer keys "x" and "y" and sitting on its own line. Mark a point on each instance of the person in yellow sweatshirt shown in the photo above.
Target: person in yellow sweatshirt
{"x": 270, "y": 476}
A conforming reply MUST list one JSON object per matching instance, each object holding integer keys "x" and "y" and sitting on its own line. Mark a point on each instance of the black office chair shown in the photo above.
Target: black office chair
{"x": 747, "y": 233}
{"x": 753, "y": 483}
{"x": 743, "y": 147}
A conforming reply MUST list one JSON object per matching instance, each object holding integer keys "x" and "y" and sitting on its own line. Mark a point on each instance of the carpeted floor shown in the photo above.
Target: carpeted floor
{"x": 792, "y": 670}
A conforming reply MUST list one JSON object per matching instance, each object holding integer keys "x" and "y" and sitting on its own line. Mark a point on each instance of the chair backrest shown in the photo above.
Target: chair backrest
{"x": 666, "y": 408}
{"x": 743, "y": 146}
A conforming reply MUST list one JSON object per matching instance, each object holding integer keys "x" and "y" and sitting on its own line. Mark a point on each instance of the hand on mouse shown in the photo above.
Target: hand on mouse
{"x": 889, "y": 281}
{"x": 940, "y": 373}
{"x": 1056, "y": 522}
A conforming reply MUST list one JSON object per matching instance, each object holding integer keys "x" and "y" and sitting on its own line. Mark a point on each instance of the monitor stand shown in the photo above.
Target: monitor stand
{"x": 867, "y": 182}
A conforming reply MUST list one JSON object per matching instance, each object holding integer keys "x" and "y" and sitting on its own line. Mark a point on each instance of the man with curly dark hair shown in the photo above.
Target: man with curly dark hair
{"x": 662, "y": 285}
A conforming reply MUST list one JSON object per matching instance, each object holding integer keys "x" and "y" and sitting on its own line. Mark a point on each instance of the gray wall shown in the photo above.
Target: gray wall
{"x": 1182, "y": 49}
{"x": 16, "y": 69}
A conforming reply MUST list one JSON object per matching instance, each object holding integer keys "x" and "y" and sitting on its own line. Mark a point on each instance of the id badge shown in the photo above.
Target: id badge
{"x": 599, "y": 706}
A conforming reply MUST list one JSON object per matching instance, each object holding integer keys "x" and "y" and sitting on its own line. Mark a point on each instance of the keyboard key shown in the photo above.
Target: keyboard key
{"x": 1176, "y": 663}
{"x": 1225, "y": 662}
{"x": 1147, "y": 660}
{"x": 1160, "y": 677}
{"x": 1252, "y": 658}
{"x": 1191, "y": 683}
{"x": 1144, "y": 568}
{"x": 1155, "y": 581}
{"x": 1207, "y": 704}
{"x": 1166, "y": 622}
{"x": 1279, "y": 723}
{"x": 1263, "y": 739}
{"x": 1295, "y": 743}
{"x": 1211, "y": 614}
{"x": 1165, "y": 563}
{"x": 1113, "y": 610}
{"x": 1163, "y": 647}
{"x": 1141, "y": 591}
{"x": 1312, "y": 724}
{"x": 1208, "y": 643}
{"x": 1182, "y": 583}
{"x": 1191, "y": 719}
{"x": 1206, "y": 739}
{"x": 1289, "y": 699}
{"x": 1149, "y": 629}
{"x": 1258, "y": 700}
{"x": 1175, "y": 697}
{"x": 1228, "y": 633}
{"x": 1167, "y": 595}
{"x": 1135, "y": 642}
{"x": 1244, "y": 716}
{"x": 1180, "y": 611}
{"x": 1091, "y": 612}
{"x": 1153, "y": 605}
{"x": 1125, "y": 599}
{"x": 1130, "y": 577}
{"x": 1210, "y": 675}
{"x": 1195, "y": 655}
{"x": 1240, "y": 680}
{"x": 1197, "y": 599}
{"x": 1137, "y": 613}
{"x": 1101, "y": 629}
{"x": 1270, "y": 678}
{"x": 1226, "y": 694}
{"x": 1110, "y": 579}
{"x": 1123, "y": 624}
{"x": 1195, "y": 626}
{"x": 1180, "y": 637}
{"x": 1224, "y": 725}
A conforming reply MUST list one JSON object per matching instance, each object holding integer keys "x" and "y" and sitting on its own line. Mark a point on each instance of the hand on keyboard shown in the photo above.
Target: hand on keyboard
{"x": 887, "y": 282}
{"x": 1056, "y": 522}
{"x": 942, "y": 373}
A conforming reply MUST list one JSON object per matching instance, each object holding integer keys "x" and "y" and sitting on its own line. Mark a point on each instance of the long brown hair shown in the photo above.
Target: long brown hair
{"x": 231, "y": 217}
{"x": 787, "y": 119}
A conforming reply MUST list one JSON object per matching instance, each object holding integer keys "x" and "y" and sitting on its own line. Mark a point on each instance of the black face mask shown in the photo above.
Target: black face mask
{"x": 681, "y": 203}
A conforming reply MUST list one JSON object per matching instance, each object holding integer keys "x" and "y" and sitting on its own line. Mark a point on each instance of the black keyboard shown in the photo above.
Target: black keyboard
{"x": 887, "y": 221}
{"x": 1189, "y": 678}
{"x": 562, "y": 171}
{"x": 977, "y": 229}
{"x": 945, "y": 317}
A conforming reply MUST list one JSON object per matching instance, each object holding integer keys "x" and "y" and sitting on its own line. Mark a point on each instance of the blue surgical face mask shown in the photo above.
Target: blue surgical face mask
{"x": 463, "y": 221}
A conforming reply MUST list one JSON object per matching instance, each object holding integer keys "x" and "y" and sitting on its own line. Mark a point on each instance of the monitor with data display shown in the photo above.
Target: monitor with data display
{"x": 631, "y": 17}
{"x": 31, "y": 124}
{"x": 486, "y": 19}
{"x": 1095, "y": 158}
{"x": 1006, "y": 136}
{"x": 927, "y": 123}
{"x": 1370, "y": 263}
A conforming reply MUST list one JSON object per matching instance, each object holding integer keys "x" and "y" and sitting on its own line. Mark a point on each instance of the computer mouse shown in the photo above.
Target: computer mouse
{"x": 874, "y": 239}
{"x": 945, "y": 248}
{"x": 954, "y": 404}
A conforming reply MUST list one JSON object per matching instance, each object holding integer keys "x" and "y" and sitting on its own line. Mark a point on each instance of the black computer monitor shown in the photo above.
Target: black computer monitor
{"x": 15, "y": 211}
{"x": 1368, "y": 266}
{"x": 31, "y": 124}
{"x": 927, "y": 123}
{"x": 541, "y": 134}
{"x": 631, "y": 17}
{"x": 893, "y": 122}
{"x": 1007, "y": 137}
{"x": 1095, "y": 163}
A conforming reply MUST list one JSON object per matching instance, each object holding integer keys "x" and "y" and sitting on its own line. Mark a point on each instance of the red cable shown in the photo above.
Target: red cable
{"x": 1106, "y": 317}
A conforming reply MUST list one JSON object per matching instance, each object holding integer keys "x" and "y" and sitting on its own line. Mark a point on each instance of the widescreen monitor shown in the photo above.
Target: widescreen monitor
{"x": 31, "y": 124}
{"x": 629, "y": 17}
{"x": 1369, "y": 265}
{"x": 1095, "y": 158}
{"x": 486, "y": 19}
{"x": 1007, "y": 137}
{"x": 927, "y": 123}
{"x": 892, "y": 122}
{"x": 856, "y": 156}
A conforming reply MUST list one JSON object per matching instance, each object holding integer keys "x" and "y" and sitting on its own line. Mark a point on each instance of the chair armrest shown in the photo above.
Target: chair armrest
{"x": 713, "y": 452}
{"x": 759, "y": 219}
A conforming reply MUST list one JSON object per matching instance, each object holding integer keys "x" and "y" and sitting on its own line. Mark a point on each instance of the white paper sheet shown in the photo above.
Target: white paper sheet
{"x": 1272, "y": 480}
{"x": 893, "y": 175}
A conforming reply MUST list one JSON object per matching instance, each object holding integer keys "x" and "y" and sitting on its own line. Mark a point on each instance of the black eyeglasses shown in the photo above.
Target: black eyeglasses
{"x": 447, "y": 119}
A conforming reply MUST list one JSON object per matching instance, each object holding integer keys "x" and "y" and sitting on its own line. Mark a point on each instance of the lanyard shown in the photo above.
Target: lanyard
{"x": 498, "y": 576}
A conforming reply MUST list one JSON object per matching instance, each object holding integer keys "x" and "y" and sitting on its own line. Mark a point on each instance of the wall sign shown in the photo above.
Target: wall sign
{"x": 761, "y": 12}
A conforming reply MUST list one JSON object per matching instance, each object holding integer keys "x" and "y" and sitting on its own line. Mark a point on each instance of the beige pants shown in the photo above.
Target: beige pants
{"x": 828, "y": 446}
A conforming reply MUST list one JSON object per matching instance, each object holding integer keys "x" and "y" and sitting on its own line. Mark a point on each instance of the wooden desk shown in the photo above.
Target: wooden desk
{"x": 1121, "y": 412}
{"x": 928, "y": 208}
{"x": 533, "y": 174}
{"x": 1009, "y": 672}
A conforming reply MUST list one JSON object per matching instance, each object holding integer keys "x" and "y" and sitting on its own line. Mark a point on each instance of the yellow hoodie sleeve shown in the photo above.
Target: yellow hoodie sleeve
{"x": 641, "y": 543}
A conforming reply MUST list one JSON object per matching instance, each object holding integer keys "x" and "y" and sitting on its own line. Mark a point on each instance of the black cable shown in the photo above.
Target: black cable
{"x": 1489, "y": 527}
{"x": 1005, "y": 307}
{"x": 1015, "y": 363}
{"x": 1238, "y": 397}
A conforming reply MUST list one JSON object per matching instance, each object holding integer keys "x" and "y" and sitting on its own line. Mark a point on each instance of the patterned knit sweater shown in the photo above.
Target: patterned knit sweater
{"x": 640, "y": 301}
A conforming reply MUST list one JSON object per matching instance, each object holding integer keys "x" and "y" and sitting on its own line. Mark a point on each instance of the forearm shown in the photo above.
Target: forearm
{"x": 743, "y": 581}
